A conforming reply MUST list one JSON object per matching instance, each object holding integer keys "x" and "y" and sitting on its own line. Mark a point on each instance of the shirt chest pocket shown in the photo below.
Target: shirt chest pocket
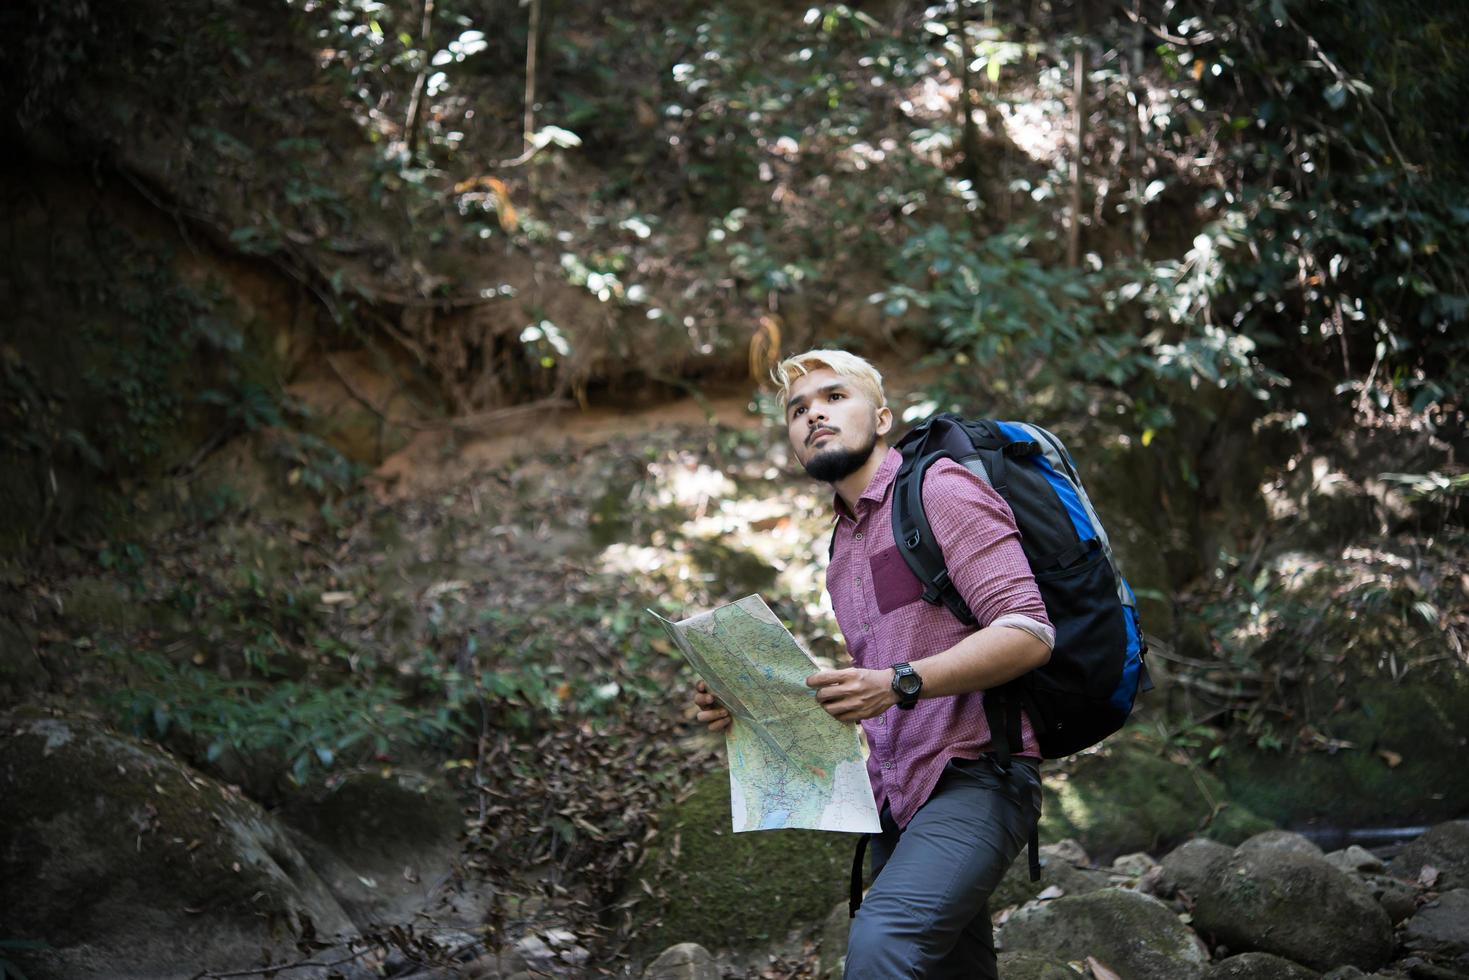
{"x": 893, "y": 581}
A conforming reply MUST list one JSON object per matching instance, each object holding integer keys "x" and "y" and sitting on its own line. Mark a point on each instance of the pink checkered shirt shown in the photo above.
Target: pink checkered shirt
{"x": 876, "y": 599}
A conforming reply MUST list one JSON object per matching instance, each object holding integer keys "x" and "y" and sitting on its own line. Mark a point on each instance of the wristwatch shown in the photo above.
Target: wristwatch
{"x": 906, "y": 685}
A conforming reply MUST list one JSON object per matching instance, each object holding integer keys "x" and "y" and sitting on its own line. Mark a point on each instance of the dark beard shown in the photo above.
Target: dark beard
{"x": 838, "y": 464}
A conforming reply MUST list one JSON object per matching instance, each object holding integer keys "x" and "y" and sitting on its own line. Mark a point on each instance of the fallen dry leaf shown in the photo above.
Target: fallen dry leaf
{"x": 1428, "y": 876}
{"x": 1099, "y": 971}
{"x": 1393, "y": 759}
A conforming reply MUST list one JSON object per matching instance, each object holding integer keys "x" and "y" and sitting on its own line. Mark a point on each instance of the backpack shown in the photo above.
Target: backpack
{"x": 1087, "y": 689}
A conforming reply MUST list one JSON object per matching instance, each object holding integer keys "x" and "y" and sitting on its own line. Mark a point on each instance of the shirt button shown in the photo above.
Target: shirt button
{"x": 867, "y": 627}
{"x": 858, "y": 536}
{"x": 887, "y": 767}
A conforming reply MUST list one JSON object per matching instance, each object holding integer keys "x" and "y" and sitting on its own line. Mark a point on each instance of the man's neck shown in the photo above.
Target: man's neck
{"x": 851, "y": 488}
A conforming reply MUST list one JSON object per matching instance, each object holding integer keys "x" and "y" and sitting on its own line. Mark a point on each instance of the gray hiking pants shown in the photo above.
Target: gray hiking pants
{"x": 927, "y": 912}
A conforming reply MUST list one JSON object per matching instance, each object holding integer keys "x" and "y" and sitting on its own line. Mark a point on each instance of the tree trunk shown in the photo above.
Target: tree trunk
{"x": 413, "y": 126}
{"x": 1078, "y": 173}
{"x": 532, "y": 42}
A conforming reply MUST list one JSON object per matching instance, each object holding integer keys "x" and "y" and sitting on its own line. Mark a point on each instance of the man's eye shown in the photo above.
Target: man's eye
{"x": 797, "y": 413}
{"x": 837, "y": 394}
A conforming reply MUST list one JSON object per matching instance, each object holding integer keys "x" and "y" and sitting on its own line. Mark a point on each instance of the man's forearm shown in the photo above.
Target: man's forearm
{"x": 982, "y": 660}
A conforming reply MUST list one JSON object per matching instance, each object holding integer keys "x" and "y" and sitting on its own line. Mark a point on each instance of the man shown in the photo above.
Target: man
{"x": 952, "y": 820}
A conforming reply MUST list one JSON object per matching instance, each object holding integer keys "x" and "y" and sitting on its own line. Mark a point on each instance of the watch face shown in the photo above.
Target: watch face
{"x": 909, "y": 683}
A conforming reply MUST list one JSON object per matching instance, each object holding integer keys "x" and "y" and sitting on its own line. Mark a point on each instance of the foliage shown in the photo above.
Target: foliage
{"x": 305, "y": 726}
{"x": 1332, "y": 242}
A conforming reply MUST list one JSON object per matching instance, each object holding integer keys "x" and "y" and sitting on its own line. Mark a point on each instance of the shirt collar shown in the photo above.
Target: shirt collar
{"x": 877, "y": 487}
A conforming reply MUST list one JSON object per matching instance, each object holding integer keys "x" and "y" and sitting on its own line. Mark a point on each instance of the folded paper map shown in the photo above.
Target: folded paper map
{"x": 790, "y": 763}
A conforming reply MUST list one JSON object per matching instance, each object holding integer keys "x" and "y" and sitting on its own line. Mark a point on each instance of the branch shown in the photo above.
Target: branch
{"x": 272, "y": 970}
{"x": 1207, "y": 37}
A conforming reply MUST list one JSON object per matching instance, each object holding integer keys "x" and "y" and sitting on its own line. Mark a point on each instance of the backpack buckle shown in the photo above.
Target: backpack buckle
{"x": 912, "y": 540}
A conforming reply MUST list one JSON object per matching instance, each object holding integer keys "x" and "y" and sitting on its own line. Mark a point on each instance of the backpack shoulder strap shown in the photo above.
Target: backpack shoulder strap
{"x": 916, "y": 541}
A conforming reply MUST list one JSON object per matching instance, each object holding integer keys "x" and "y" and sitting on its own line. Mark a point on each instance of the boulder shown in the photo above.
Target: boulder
{"x": 1441, "y": 928}
{"x": 109, "y": 844}
{"x": 1356, "y": 859}
{"x": 1134, "y": 935}
{"x": 385, "y": 840}
{"x": 1191, "y": 868}
{"x": 1258, "y": 966}
{"x": 1134, "y": 865}
{"x": 1294, "y": 905}
{"x": 729, "y": 891}
{"x": 1035, "y": 966}
{"x": 1398, "y": 898}
{"x": 1281, "y": 840}
{"x": 1445, "y": 847}
{"x": 685, "y": 961}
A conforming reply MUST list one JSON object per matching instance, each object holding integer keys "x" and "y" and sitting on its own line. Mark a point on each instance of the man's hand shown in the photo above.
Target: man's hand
{"x": 854, "y": 693}
{"x": 711, "y": 712}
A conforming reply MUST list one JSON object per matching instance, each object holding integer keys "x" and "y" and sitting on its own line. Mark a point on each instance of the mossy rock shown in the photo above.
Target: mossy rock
{"x": 381, "y": 839}
{"x": 1035, "y": 966}
{"x": 728, "y": 891}
{"x": 1132, "y": 934}
{"x": 1297, "y": 906}
{"x": 1423, "y": 722}
{"x": 109, "y": 844}
{"x": 1130, "y": 797}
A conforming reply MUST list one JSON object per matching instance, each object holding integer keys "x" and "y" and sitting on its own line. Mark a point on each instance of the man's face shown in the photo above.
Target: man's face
{"x": 832, "y": 425}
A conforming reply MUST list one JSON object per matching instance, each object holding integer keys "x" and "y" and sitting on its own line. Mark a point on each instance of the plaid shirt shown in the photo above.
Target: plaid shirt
{"x": 876, "y": 599}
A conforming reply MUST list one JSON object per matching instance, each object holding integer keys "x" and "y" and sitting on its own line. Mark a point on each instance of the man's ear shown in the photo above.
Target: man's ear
{"x": 884, "y": 420}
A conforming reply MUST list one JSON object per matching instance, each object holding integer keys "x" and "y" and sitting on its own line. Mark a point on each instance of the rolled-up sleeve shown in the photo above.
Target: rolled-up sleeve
{"x": 981, "y": 545}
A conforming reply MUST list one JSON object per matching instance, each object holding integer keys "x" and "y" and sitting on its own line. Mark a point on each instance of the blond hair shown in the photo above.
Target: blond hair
{"x": 864, "y": 376}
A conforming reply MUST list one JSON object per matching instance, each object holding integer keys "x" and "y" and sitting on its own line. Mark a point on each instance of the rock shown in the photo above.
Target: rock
{"x": 1133, "y": 935}
{"x": 551, "y": 951}
{"x": 1441, "y": 927}
{"x": 1294, "y": 905}
{"x": 686, "y": 961}
{"x": 109, "y": 844}
{"x": 1258, "y": 966}
{"x": 1035, "y": 966}
{"x": 734, "y": 891}
{"x": 1420, "y": 969}
{"x": 1134, "y": 865}
{"x": 833, "y": 948}
{"x": 1190, "y": 869}
{"x": 1356, "y": 858}
{"x": 1445, "y": 847}
{"x": 1063, "y": 872}
{"x": 1281, "y": 840}
{"x": 1397, "y": 897}
{"x": 384, "y": 840}
{"x": 1344, "y": 973}
{"x": 1067, "y": 850}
